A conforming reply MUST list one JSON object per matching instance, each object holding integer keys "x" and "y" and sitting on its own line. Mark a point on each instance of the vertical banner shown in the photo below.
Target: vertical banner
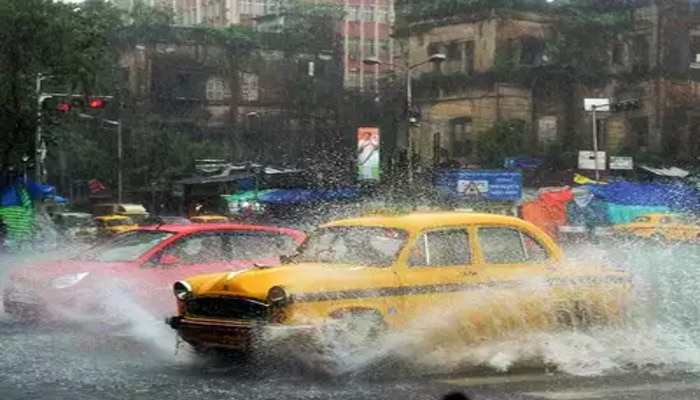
{"x": 368, "y": 153}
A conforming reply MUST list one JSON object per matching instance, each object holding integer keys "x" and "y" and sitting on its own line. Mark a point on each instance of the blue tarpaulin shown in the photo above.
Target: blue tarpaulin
{"x": 675, "y": 196}
{"x": 295, "y": 196}
{"x": 10, "y": 195}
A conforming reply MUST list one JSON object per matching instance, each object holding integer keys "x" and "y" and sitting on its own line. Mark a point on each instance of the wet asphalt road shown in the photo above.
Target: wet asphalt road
{"x": 50, "y": 363}
{"x": 64, "y": 365}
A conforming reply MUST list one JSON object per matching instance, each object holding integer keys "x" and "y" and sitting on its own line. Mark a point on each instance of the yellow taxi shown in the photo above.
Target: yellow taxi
{"x": 209, "y": 219}
{"x": 662, "y": 226}
{"x": 108, "y": 225}
{"x": 488, "y": 275}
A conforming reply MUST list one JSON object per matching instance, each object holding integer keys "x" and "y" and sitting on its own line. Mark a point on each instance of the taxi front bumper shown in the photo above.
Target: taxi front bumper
{"x": 236, "y": 335}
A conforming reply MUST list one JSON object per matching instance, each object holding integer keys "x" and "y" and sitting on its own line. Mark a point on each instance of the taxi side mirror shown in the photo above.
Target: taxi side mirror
{"x": 169, "y": 260}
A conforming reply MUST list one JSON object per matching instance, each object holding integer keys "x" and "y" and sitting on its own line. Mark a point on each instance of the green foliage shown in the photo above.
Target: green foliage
{"x": 236, "y": 40}
{"x": 50, "y": 38}
{"x": 579, "y": 47}
{"x": 503, "y": 139}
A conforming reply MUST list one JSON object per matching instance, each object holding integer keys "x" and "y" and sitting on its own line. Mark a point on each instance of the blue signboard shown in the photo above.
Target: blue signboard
{"x": 486, "y": 185}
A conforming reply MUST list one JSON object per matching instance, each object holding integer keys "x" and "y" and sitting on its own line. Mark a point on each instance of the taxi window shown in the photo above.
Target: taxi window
{"x": 253, "y": 245}
{"x": 510, "y": 246}
{"x": 200, "y": 248}
{"x": 441, "y": 248}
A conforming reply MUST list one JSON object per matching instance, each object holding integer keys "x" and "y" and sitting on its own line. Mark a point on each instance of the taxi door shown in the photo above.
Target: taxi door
{"x": 515, "y": 271}
{"x": 438, "y": 279}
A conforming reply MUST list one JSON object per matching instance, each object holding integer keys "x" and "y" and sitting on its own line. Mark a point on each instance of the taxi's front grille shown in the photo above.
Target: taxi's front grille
{"x": 227, "y": 308}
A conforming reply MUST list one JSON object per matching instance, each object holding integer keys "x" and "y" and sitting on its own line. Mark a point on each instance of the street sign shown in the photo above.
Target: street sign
{"x": 625, "y": 163}
{"x": 600, "y": 104}
{"x": 587, "y": 160}
{"x": 487, "y": 185}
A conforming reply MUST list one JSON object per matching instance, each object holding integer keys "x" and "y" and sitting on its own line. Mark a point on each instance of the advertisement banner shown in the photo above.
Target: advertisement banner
{"x": 368, "y": 153}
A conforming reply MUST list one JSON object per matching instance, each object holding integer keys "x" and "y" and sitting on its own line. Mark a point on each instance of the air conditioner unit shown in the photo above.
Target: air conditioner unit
{"x": 697, "y": 58}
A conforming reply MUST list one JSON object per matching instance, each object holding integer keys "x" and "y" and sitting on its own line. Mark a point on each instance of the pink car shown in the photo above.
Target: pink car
{"x": 138, "y": 268}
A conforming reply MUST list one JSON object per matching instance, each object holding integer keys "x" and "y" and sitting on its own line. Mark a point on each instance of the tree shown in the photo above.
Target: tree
{"x": 503, "y": 139}
{"x": 239, "y": 44}
{"x": 53, "y": 39}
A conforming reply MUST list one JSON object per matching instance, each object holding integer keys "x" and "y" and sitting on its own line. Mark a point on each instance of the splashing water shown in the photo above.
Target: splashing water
{"x": 659, "y": 335}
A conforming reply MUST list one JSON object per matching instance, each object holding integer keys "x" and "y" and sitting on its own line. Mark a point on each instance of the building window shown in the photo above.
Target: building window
{"x": 602, "y": 133}
{"x": 639, "y": 132}
{"x": 370, "y": 48}
{"x": 245, "y": 6}
{"x": 368, "y": 14}
{"x": 353, "y": 48}
{"x": 383, "y": 14}
{"x": 639, "y": 52}
{"x": 460, "y": 137}
{"x": 259, "y": 7}
{"x": 369, "y": 82}
{"x": 469, "y": 56}
{"x": 352, "y": 79}
{"x": 218, "y": 89}
{"x": 353, "y": 13}
{"x": 618, "y": 53}
{"x": 384, "y": 48}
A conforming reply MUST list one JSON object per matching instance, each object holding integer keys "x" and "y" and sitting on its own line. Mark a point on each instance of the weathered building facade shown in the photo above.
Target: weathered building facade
{"x": 257, "y": 108}
{"x": 654, "y": 60}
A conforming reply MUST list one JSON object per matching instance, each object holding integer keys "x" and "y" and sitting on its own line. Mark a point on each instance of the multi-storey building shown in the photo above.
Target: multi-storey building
{"x": 365, "y": 29}
{"x": 655, "y": 60}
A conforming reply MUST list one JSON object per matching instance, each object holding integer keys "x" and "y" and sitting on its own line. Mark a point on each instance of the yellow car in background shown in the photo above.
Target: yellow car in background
{"x": 108, "y": 225}
{"x": 209, "y": 219}
{"x": 669, "y": 227}
{"x": 474, "y": 276}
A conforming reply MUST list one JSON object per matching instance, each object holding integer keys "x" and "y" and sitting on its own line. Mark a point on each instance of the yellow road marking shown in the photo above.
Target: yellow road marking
{"x": 496, "y": 380}
{"x": 605, "y": 393}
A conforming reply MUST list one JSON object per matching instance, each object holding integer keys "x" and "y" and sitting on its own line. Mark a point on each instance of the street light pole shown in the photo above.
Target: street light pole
{"x": 595, "y": 142}
{"x": 118, "y": 124}
{"x": 409, "y": 136}
{"x": 435, "y": 58}
{"x": 120, "y": 164}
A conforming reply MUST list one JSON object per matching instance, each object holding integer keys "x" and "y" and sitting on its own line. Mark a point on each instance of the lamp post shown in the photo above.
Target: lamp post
{"x": 435, "y": 58}
{"x": 118, "y": 124}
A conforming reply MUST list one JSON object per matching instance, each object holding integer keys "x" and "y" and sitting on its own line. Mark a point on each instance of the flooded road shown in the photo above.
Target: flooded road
{"x": 661, "y": 361}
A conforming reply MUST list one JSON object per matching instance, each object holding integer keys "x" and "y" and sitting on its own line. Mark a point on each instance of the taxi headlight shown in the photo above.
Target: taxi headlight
{"x": 182, "y": 290}
{"x": 278, "y": 295}
{"x": 66, "y": 281}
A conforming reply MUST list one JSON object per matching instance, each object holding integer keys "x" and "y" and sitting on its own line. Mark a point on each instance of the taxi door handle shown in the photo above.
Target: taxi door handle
{"x": 469, "y": 273}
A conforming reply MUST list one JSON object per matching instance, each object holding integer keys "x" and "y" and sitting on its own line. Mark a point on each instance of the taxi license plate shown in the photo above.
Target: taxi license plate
{"x": 233, "y": 341}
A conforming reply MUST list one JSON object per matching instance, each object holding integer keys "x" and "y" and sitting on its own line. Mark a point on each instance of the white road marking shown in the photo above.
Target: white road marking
{"x": 496, "y": 380}
{"x": 605, "y": 393}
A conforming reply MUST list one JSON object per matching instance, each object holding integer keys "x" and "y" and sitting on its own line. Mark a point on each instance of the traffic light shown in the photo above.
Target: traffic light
{"x": 63, "y": 103}
{"x": 627, "y": 105}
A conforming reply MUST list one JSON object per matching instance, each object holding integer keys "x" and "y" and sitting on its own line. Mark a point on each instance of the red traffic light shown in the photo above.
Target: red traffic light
{"x": 97, "y": 103}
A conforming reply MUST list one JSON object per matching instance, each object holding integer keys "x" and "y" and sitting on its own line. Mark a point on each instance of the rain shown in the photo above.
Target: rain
{"x": 356, "y": 199}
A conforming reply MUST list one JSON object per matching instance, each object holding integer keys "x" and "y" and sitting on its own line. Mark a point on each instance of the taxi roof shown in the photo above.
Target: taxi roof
{"x": 434, "y": 219}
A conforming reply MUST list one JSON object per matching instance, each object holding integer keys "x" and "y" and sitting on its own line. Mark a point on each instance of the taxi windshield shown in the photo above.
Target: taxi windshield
{"x": 356, "y": 245}
{"x": 127, "y": 247}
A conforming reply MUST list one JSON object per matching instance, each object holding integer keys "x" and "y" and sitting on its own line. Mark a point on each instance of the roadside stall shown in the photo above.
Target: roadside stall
{"x": 291, "y": 207}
